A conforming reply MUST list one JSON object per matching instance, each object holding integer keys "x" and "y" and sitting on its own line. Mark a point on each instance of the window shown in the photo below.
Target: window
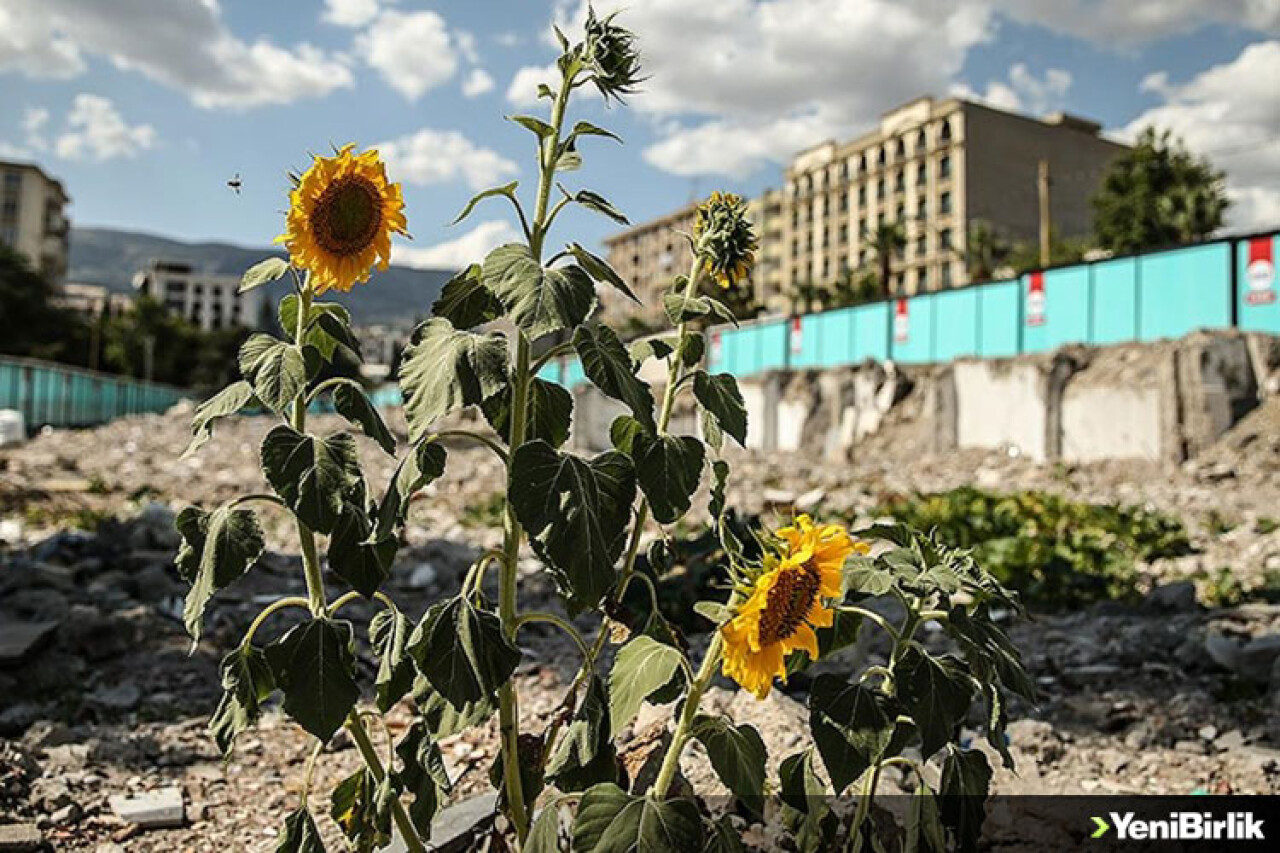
{"x": 844, "y": 202}
{"x": 862, "y": 195}
{"x": 900, "y": 181}
{"x": 944, "y": 166}
{"x": 880, "y": 188}
{"x": 922, "y": 141}
{"x": 944, "y": 134}
{"x": 880, "y": 156}
{"x": 902, "y": 148}
{"x": 944, "y": 203}
{"x": 862, "y": 165}
{"x": 826, "y": 268}
{"x": 9, "y": 235}
{"x": 844, "y": 233}
{"x": 922, "y": 207}
{"x": 946, "y": 275}
{"x": 922, "y": 246}
{"x": 944, "y": 239}
{"x": 922, "y": 175}
{"x": 12, "y": 181}
{"x": 902, "y": 214}
{"x": 10, "y": 209}
{"x": 862, "y": 228}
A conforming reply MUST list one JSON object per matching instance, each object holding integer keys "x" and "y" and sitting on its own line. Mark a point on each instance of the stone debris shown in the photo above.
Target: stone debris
{"x": 19, "y": 640}
{"x": 20, "y": 838}
{"x": 151, "y": 810}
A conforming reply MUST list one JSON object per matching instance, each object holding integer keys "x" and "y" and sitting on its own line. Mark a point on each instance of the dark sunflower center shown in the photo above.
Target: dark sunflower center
{"x": 788, "y": 603}
{"x": 347, "y": 216}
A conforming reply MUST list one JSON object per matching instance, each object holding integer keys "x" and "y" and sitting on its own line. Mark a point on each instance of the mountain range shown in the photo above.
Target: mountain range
{"x": 110, "y": 257}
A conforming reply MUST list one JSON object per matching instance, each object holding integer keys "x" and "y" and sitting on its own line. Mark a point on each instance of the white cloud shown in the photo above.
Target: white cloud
{"x": 477, "y": 83}
{"x": 749, "y": 83}
{"x": 1231, "y": 113}
{"x": 413, "y": 52}
{"x": 33, "y": 124}
{"x": 349, "y": 13}
{"x": 1134, "y": 22}
{"x": 183, "y": 44}
{"x": 438, "y": 156}
{"x": 1023, "y": 91}
{"x": 95, "y": 130}
{"x": 470, "y": 248}
{"x": 522, "y": 91}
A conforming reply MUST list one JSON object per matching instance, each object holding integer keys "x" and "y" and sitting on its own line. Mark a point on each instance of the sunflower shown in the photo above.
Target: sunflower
{"x": 341, "y": 216}
{"x": 786, "y": 603}
{"x": 725, "y": 238}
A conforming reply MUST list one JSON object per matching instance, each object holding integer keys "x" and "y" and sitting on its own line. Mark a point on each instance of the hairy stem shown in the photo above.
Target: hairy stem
{"x": 369, "y": 753}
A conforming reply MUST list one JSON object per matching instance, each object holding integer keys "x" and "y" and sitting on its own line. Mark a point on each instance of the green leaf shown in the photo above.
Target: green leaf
{"x": 419, "y": 468}
{"x": 444, "y": 370}
{"x": 722, "y": 837}
{"x": 325, "y": 340}
{"x": 246, "y": 682}
{"x": 539, "y": 300}
{"x": 350, "y": 401}
{"x": 441, "y": 718}
{"x": 721, "y": 400}
{"x": 642, "y": 666}
{"x": 584, "y": 754}
{"x": 713, "y": 611}
{"x": 275, "y": 369}
{"x": 737, "y": 755}
{"x": 997, "y": 722}
{"x": 669, "y": 468}
{"x": 389, "y": 632}
{"x": 598, "y": 268}
{"x": 924, "y": 824}
{"x": 549, "y": 414}
{"x": 313, "y": 664}
{"x": 598, "y": 203}
{"x": 568, "y": 161}
{"x": 463, "y": 652}
{"x": 852, "y": 726}
{"x": 466, "y": 302}
{"x": 263, "y": 272}
{"x": 311, "y": 473}
{"x": 299, "y": 834}
{"x": 966, "y": 780}
{"x": 799, "y": 785}
{"x": 226, "y": 402}
{"x": 610, "y": 820}
{"x": 695, "y": 345}
{"x": 642, "y": 351}
{"x": 866, "y": 576}
{"x": 988, "y": 650}
{"x": 422, "y": 774}
{"x": 355, "y": 808}
{"x": 507, "y": 190}
{"x": 936, "y": 692}
{"x": 681, "y": 308}
{"x": 539, "y": 127}
{"x": 719, "y": 479}
{"x": 544, "y": 835}
{"x": 586, "y": 128}
{"x": 217, "y": 548}
{"x": 623, "y": 432}
{"x": 576, "y": 512}
{"x": 607, "y": 364}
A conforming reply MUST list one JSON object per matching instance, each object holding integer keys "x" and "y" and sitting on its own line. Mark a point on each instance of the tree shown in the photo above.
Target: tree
{"x": 986, "y": 250}
{"x": 888, "y": 242}
{"x": 33, "y": 326}
{"x": 1158, "y": 194}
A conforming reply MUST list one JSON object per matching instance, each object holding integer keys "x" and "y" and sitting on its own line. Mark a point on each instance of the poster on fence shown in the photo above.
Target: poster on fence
{"x": 901, "y": 322}
{"x": 1260, "y": 273}
{"x": 1035, "y": 299}
{"x": 715, "y": 347}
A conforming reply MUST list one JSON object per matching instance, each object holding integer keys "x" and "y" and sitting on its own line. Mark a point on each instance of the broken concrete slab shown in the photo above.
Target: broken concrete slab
{"x": 151, "y": 810}
{"x": 20, "y": 838}
{"x": 20, "y": 640}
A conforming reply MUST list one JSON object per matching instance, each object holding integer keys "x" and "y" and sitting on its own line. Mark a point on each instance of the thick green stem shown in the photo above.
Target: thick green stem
{"x": 671, "y": 761}
{"x": 307, "y": 538}
{"x": 370, "y": 755}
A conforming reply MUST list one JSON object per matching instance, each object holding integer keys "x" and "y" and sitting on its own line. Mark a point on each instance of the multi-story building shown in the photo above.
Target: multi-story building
{"x": 767, "y": 213}
{"x": 93, "y": 300}
{"x": 32, "y": 218}
{"x": 936, "y": 167}
{"x": 207, "y": 300}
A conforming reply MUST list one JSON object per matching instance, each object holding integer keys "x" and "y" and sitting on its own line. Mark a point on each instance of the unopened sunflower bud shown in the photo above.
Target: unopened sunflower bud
{"x": 725, "y": 239}
{"x": 610, "y": 56}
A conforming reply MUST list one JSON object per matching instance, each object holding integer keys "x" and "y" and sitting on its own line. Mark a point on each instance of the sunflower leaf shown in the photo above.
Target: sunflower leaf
{"x": 936, "y": 693}
{"x": 226, "y": 402}
{"x": 536, "y": 125}
{"x": 463, "y": 652}
{"x": 263, "y": 272}
{"x": 549, "y": 415}
{"x": 217, "y": 549}
{"x": 609, "y": 819}
{"x": 246, "y": 682}
{"x": 539, "y": 300}
{"x": 466, "y": 302}
{"x": 598, "y": 203}
{"x": 737, "y": 755}
{"x": 584, "y": 754}
{"x": 311, "y": 473}
{"x": 362, "y": 563}
{"x": 445, "y": 369}
{"x": 852, "y": 727}
{"x": 350, "y": 401}
{"x": 643, "y": 666}
{"x": 720, "y": 400}
{"x": 419, "y": 468}
{"x": 598, "y": 268}
{"x": 966, "y": 781}
{"x": 299, "y": 834}
{"x": 586, "y": 128}
{"x": 608, "y": 365}
{"x": 314, "y": 665}
{"x": 669, "y": 468}
{"x": 388, "y": 635}
{"x": 276, "y": 370}
{"x": 507, "y": 190}
{"x": 799, "y": 785}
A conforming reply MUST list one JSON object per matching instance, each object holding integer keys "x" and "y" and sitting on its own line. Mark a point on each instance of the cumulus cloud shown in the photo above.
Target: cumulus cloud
{"x": 183, "y": 44}
{"x": 1138, "y": 21}
{"x": 96, "y": 131}
{"x": 349, "y": 13}
{"x": 477, "y": 83}
{"x": 438, "y": 156}
{"x": 413, "y": 51}
{"x": 470, "y": 248}
{"x": 1023, "y": 91}
{"x": 1230, "y": 112}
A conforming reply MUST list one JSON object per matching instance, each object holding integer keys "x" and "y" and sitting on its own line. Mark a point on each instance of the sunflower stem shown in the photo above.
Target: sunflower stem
{"x": 369, "y": 753}
{"x": 306, "y": 537}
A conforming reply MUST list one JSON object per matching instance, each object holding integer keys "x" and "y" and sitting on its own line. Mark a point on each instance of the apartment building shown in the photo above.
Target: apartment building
{"x": 208, "y": 300}
{"x": 93, "y": 300}
{"x": 935, "y": 167}
{"x": 32, "y": 218}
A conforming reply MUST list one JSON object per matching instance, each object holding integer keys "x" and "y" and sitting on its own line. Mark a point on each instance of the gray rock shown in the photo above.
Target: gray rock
{"x": 424, "y": 575}
{"x": 1175, "y": 597}
{"x": 119, "y": 697}
{"x": 1257, "y": 657}
{"x": 20, "y": 838}
{"x": 20, "y": 640}
{"x": 151, "y": 810}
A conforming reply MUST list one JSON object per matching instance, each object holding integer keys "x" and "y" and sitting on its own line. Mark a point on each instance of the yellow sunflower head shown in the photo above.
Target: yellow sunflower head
{"x": 341, "y": 216}
{"x": 725, "y": 238}
{"x": 786, "y": 604}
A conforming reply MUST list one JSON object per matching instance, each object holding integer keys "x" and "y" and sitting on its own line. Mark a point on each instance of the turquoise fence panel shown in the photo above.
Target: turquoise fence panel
{"x": 956, "y": 323}
{"x": 871, "y": 332}
{"x": 1115, "y": 301}
{"x": 1182, "y": 290}
{"x": 551, "y": 371}
{"x": 50, "y": 394}
{"x": 913, "y": 330}
{"x": 1057, "y": 308}
{"x": 1256, "y": 284}
{"x": 999, "y": 312}
{"x": 838, "y": 344}
{"x": 772, "y": 339}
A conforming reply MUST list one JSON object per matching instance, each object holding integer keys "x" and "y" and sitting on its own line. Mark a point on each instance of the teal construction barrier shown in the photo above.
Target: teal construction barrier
{"x": 49, "y": 394}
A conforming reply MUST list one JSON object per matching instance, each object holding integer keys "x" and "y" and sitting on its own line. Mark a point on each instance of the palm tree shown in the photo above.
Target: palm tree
{"x": 986, "y": 250}
{"x": 888, "y": 242}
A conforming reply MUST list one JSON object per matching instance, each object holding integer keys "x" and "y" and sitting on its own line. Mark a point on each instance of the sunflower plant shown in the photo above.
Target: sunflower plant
{"x": 794, "y": 595}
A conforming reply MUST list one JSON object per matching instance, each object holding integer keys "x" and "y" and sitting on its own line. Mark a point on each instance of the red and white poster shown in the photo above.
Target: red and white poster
{"x": 715, "y": 347}
{"x": 797, "y": 335}
{"x": 1260, "y": 273}
{"x": 1035, "y": 299}
{"x": 901, "y": 322}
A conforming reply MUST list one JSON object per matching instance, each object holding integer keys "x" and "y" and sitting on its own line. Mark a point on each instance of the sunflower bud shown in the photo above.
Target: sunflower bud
{"x": 725, "y": 239}
{"x": 610, "y": 56}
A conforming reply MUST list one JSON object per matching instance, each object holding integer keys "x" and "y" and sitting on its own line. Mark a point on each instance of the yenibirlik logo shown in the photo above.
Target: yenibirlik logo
{"x": 1182, "y": 826}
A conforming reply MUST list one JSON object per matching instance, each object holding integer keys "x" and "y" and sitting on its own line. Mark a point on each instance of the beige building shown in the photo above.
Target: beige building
{"x": 33, "y": 219}
{"x": 207, "y": 300}
{"x": 936, "y": 167}
{"x": 93, "y": 300}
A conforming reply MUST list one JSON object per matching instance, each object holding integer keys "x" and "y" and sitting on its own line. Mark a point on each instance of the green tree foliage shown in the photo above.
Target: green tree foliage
{"x": 1158, "y": 194}
{"x": 33, "y": 326}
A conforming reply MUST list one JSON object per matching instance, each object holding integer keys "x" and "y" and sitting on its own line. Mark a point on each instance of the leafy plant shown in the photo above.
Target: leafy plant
{"x": 1055, "y": 552}
{"x": 791, "y": 595}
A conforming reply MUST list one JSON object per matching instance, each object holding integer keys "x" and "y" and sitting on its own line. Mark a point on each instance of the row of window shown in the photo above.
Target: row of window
{"x": 920, "y": 278}
{"x": 920, "y": 245}
{"x": 921, "y": 210}
{"x": 861, "y": 163}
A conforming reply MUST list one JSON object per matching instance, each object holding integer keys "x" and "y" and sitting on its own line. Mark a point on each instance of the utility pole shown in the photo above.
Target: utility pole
{"x": 1046, "y": 222}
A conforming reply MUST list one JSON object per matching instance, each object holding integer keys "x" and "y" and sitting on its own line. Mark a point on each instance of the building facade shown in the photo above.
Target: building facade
{"x": 33, "y": 218}
{"x": 93, "y": 300}
{"x": 934, "y": 168}
{"x": 207, "y": 300}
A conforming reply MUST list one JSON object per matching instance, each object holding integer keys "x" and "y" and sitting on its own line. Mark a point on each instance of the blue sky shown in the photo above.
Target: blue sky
{"x": 145, "y": 109}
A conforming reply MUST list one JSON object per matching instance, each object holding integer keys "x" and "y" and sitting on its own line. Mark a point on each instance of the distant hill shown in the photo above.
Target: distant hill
{"x": 107, "y": 257}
